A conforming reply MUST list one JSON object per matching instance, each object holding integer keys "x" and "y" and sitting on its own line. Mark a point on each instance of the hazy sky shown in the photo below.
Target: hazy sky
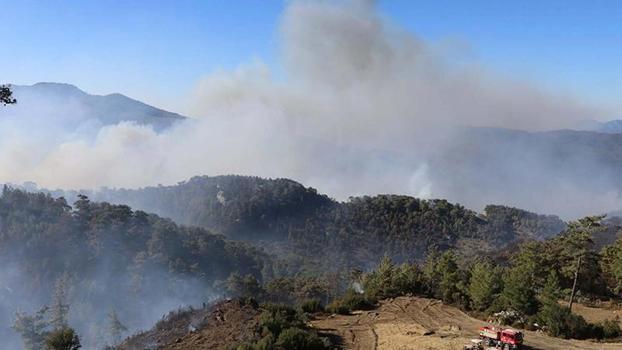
{"x": 157, "y": 51}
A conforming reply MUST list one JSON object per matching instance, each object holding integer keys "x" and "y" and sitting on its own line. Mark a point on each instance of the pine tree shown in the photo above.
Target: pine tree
{"x": 32, "y": 328}
{"x": 531, "y": 258}
{"x": 484, "y": 285}
{"x": 379, "y": 283}
{"x": 59, "y": 311}
{"x": 408, "y": 279}
{"x": 518, "y": 293}
{"x": 558, "y": 320}
{"x": 116, "y": 328}
{"x": 447, "y": 268}
{"x": 611, "y": 263}
{"x": 430, "y": 272}
{"x": 551, "y": 291}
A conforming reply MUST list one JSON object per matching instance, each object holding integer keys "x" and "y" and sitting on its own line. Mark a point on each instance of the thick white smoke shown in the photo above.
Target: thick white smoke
{"x": 359, "y": 111}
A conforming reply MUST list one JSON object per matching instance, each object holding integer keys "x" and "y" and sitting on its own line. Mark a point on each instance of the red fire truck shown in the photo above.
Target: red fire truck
{"x": 504, "y": 338}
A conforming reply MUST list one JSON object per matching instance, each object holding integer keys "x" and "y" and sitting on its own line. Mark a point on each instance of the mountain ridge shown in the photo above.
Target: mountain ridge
{"x": 71, "y": 106}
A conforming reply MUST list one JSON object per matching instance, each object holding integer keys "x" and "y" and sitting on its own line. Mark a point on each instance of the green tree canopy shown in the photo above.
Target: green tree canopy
{"x": 485, "y": 285}
{"x": 518, "y": 293}
{"x": 63, "y": 339}
{"x": 6, "y": 95}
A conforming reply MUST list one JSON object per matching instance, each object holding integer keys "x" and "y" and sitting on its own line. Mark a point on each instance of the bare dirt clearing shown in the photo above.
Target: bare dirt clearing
{"x": 426, "y": 324}
{"x": 597, "y": 314}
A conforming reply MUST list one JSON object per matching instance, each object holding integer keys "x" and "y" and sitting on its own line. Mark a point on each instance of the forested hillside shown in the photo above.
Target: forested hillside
{"x": 96, "y": 258}
{"x": 530, "y": 289}
{"x": 297, "y": 223}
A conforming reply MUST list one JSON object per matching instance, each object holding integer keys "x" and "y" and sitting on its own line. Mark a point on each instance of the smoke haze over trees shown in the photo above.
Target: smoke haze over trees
{"x": 285, "y": 216}
{"x": 98, "y": 257}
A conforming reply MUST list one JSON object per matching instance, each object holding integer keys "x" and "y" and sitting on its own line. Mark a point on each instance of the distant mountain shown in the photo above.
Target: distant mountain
{"x": 609, "y": 127}
{"x": 613, "y": 127}
{"x": 73, "y": 108}
{"x": 611, "y": 233}
{"x": 568, "y": 172}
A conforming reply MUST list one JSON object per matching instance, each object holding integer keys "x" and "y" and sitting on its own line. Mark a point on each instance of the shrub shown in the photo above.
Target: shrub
{"x": 561, "y": 322}
{"x": 249, "y": 301}
{"x": 298, "y": 339}
{"x": 266, "y": 343}
{"x": 273, "y": 322}
{"x": 336, "y": 307}
{"x": 349, "y": 302}
{"x": 611, "y": 328}
{"x": 312, "y": 306}
{"x": 284, "y": 328}
{"x": 273, "y": 307}
{"x": 355, "y": 301}
{"x": 389, "y": 280}
{"x": 278, "y": 317}
{"x": 578, "y": 328}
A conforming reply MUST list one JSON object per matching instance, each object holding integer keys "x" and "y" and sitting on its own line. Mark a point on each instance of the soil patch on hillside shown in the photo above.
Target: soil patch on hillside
{"x": 426, "y": 324}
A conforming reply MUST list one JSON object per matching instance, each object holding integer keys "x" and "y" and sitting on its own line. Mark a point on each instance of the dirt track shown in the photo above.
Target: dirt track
{"x": 425, "y": 324}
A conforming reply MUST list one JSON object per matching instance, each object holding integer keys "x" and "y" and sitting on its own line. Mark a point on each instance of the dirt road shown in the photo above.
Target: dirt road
{"x": 426, "y": 324}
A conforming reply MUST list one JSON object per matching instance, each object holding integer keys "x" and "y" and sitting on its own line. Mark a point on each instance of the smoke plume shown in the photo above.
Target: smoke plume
{"x": 363, "y": 107}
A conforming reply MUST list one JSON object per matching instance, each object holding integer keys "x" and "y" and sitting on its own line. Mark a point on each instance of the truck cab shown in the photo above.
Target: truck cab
{"x": 512, "y": 337}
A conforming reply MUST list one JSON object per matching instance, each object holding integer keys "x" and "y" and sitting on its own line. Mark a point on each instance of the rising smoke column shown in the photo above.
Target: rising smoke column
{"x": 364, "y": 107}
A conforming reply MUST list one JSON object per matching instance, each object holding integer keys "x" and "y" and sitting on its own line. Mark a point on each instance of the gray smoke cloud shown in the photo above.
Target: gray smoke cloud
{"x": 364, "y": 107}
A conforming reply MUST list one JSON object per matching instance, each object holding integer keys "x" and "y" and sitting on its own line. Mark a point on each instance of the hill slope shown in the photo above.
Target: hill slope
{"x": 99, "y": 257}
{"x": 400, "y": 323}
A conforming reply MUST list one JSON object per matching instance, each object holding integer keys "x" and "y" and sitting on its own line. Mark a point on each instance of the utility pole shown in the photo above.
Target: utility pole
{"x": 574, "y": 284}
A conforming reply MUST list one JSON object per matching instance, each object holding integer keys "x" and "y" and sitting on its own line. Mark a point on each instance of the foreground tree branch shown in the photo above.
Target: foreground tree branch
{"x": 6, "y": 95}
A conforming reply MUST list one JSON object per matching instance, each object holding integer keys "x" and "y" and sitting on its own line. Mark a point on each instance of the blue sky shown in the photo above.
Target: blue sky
{"x": 156, "y": 51}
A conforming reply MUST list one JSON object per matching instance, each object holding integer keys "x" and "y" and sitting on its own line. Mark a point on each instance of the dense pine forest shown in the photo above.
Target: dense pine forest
{"x": 296, "y": 222}
{"x": 93, "y": 264}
